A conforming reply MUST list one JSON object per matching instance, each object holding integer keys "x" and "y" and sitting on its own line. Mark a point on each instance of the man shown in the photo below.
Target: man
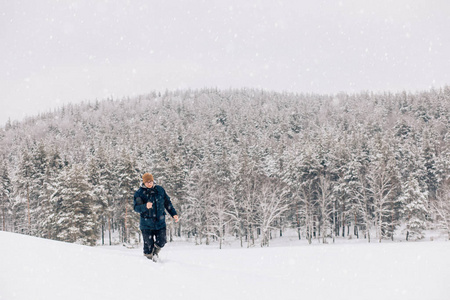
{"x": 151, "y": 201}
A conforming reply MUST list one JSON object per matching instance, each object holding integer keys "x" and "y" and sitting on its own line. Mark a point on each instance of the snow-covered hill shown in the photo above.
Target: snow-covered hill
{"x": 33, "y": 268}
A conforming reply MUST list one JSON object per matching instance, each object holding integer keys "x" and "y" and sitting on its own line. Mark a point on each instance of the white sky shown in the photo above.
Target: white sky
{"x": 55, "y": 52}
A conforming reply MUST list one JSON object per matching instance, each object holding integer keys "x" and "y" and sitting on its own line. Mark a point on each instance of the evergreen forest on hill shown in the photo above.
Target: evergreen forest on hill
{"x": 238, "y": 164}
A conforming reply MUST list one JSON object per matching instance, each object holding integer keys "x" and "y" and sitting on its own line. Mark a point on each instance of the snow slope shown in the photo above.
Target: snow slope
{"x": 33, "y": 268}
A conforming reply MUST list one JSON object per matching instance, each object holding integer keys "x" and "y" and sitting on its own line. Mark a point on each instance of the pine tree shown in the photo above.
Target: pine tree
{"x": 235, "y": 210}
{"x": 196, "y": 207}
{"x": 429, "y": 159}
{"x": 382, "y": 185}
{"x": 176, "y": 184}
{"x": 309, "y": 170}
{"x": 49, "y": 189}
{"x": 22, "y": 205}
{"x": 128, "y": 182}
{"x": 98, "y": 178}
{"x": 292, "y": 178}
{"x": 41, "y": 205}
{"x": 76, "y": 220}
{"x": 415, "y": 210}
{"x": 6, "y": 193}
{"x": 441, "y": 207}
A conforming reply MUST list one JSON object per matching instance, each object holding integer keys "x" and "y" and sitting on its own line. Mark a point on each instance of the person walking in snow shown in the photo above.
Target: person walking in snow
{"x": 151, "y": 201}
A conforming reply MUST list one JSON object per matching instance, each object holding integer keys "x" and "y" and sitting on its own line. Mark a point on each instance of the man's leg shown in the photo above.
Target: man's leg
{"x": 148, "y": 241}
{"x": 160, "y": 240}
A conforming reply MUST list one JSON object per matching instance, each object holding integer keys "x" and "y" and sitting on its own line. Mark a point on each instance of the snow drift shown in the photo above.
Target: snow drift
{"x": 33, "y": 268}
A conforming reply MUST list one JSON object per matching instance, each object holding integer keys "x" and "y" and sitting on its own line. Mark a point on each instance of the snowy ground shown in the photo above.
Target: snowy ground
{"x": 33, "y": 268}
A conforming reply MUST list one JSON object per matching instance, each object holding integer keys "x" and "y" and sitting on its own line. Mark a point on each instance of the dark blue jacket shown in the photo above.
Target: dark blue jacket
{"x": 155, "y": 217}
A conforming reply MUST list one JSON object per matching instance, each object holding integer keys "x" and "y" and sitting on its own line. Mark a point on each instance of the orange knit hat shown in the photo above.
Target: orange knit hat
{"x": 147, "y": 177}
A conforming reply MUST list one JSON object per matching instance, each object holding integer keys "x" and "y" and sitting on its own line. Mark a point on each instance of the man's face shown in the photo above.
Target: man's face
{"x": 149, "y": 184}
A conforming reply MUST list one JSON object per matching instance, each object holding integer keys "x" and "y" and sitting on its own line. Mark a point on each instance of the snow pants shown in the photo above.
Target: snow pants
{"x": 152, "y": 238}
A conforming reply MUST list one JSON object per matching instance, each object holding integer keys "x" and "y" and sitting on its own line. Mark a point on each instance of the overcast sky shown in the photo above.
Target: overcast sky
{"x": 55, "y": 52}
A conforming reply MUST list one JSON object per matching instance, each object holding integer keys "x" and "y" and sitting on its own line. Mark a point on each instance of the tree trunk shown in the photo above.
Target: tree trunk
{"x": 103, "y": 232}
{"x": 298, "y": 220}
{"x": 4, "y": 219}
{"x": 380, "y": 225}
{"x": 109, "y": 229}
{"x": 241, "y": 226}
{"x": 126, "y": 225}
{"x": 334, "y": 221}
{"x": 281, "y": 227}
{"x": 29, "y": 212}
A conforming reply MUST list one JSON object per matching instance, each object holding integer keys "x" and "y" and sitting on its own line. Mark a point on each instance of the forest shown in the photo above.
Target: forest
{"x": 241, "y": 164}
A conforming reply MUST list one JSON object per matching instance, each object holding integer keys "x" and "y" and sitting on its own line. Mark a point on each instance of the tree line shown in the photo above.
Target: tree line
{"x": 245, "y": 164}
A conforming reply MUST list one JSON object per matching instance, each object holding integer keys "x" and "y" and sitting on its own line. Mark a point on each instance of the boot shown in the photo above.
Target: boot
{"x": 149, "y": 256}
{"x": 155, "y": 253}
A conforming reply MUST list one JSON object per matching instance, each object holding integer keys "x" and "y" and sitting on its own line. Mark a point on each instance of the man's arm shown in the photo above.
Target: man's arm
{"x": 169, "y": 207}
{"x": 139, "y": 205}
